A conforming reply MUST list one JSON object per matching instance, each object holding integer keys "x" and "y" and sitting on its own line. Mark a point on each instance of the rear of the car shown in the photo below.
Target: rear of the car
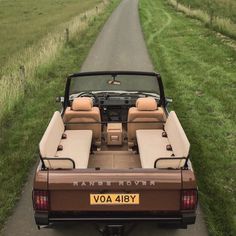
{"x": 164, "y": 196}
{"x": 68, "y": 189}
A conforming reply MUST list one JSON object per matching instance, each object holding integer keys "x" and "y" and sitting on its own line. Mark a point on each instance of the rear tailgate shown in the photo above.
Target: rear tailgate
{"x": 83, "y": 191}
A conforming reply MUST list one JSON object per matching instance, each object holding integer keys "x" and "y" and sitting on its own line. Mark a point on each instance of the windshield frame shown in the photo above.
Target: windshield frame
{"x": 113, "y": 74}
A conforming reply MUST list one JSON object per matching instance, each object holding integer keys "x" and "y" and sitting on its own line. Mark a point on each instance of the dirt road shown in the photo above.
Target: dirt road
{"x": 120, "y": 46}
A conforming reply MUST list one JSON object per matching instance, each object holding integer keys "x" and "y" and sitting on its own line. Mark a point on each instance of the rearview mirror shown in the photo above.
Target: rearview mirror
{"x": 114, "y": 82}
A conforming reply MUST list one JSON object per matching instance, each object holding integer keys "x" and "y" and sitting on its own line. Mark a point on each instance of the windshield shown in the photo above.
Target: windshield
{"x": 129, "y": 83}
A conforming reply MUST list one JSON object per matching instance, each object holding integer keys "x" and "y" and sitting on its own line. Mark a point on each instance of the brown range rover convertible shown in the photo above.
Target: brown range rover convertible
{"x": 114, "y": 154}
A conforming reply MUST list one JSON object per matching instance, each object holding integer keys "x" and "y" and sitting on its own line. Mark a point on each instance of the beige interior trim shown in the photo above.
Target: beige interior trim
{"x": 150, "y": 120}
{"x": 91, "y": 116}
{"x": 75, "y": 146}
{"x": 177, "y": 136}
{"x": 152, "y": 145}
{"x": 52, "y": 136}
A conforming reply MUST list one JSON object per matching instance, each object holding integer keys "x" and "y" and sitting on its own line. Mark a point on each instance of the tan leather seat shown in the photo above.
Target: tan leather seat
{"x": 75, "y": 146}
{"x": 82, "y": 111}
{"x": 152, "y": 145}
{"x": 146, "y": 110}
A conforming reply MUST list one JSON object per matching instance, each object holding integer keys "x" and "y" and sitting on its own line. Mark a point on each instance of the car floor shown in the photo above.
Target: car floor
{"x": 114, "y": 160}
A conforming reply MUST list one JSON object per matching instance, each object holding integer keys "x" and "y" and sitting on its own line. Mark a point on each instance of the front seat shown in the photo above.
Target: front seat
{"x": 86, "y": 115}
{"x": 146, "y": 110}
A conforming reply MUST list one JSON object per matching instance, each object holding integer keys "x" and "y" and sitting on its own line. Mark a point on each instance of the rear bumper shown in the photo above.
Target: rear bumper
{"x": 181, "y": 219}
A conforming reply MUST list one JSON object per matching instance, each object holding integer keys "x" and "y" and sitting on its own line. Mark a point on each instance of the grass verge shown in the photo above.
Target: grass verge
{"x": 199, "y": 73}
{"x": 219, "y": 24}
{"x": 221, "y": 8}
{"x": 23, "y": 128}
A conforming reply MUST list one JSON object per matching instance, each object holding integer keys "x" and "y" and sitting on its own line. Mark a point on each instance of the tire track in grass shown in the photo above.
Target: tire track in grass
{"x": 149, "y": 17}
{"x": 168, "y": 22}
{"x": 152, "y": 37}
{"x": 148, "y": 22}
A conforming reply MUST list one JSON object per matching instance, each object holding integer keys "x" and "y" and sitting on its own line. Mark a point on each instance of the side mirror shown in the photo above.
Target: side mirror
{"x": 168, "y": 101}
{"x": 60, "y": 99}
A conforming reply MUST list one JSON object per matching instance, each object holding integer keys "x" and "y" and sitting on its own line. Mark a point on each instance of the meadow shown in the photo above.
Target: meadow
{"x": 24, "y": 22}
{"x": 32, "y": 33}
{"x": 199, "y": 73}
{"x": 20, "y": 133}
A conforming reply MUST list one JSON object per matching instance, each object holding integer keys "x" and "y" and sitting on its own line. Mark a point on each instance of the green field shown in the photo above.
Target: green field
{"x": 32, "y": 40}
{"x": 199, "y": 73}
{"x": 21, "y": 131}
{"x": 221, "y": 8}
{"x": 24, "y": 22}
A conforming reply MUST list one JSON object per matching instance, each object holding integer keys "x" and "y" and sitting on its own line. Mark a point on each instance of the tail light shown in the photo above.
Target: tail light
{"x": 189, "y": 199}
{"x": 41, "y": 200}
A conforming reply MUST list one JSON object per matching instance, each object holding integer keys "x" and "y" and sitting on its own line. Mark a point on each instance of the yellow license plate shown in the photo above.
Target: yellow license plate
{"x": 114, "y": 199}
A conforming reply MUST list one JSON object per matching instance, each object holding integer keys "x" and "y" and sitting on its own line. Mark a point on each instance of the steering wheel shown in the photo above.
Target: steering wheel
{"x": 95, "y": 98}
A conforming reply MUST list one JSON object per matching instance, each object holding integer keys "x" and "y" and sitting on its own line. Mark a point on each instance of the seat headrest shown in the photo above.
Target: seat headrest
{"x": 146, "y": 104}
{"x": 82, "y": 104}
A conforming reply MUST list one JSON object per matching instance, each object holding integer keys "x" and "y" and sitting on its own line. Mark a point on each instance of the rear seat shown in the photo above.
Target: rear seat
{"x": 152, "y": 145}
{"x": 76, "y": 145}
